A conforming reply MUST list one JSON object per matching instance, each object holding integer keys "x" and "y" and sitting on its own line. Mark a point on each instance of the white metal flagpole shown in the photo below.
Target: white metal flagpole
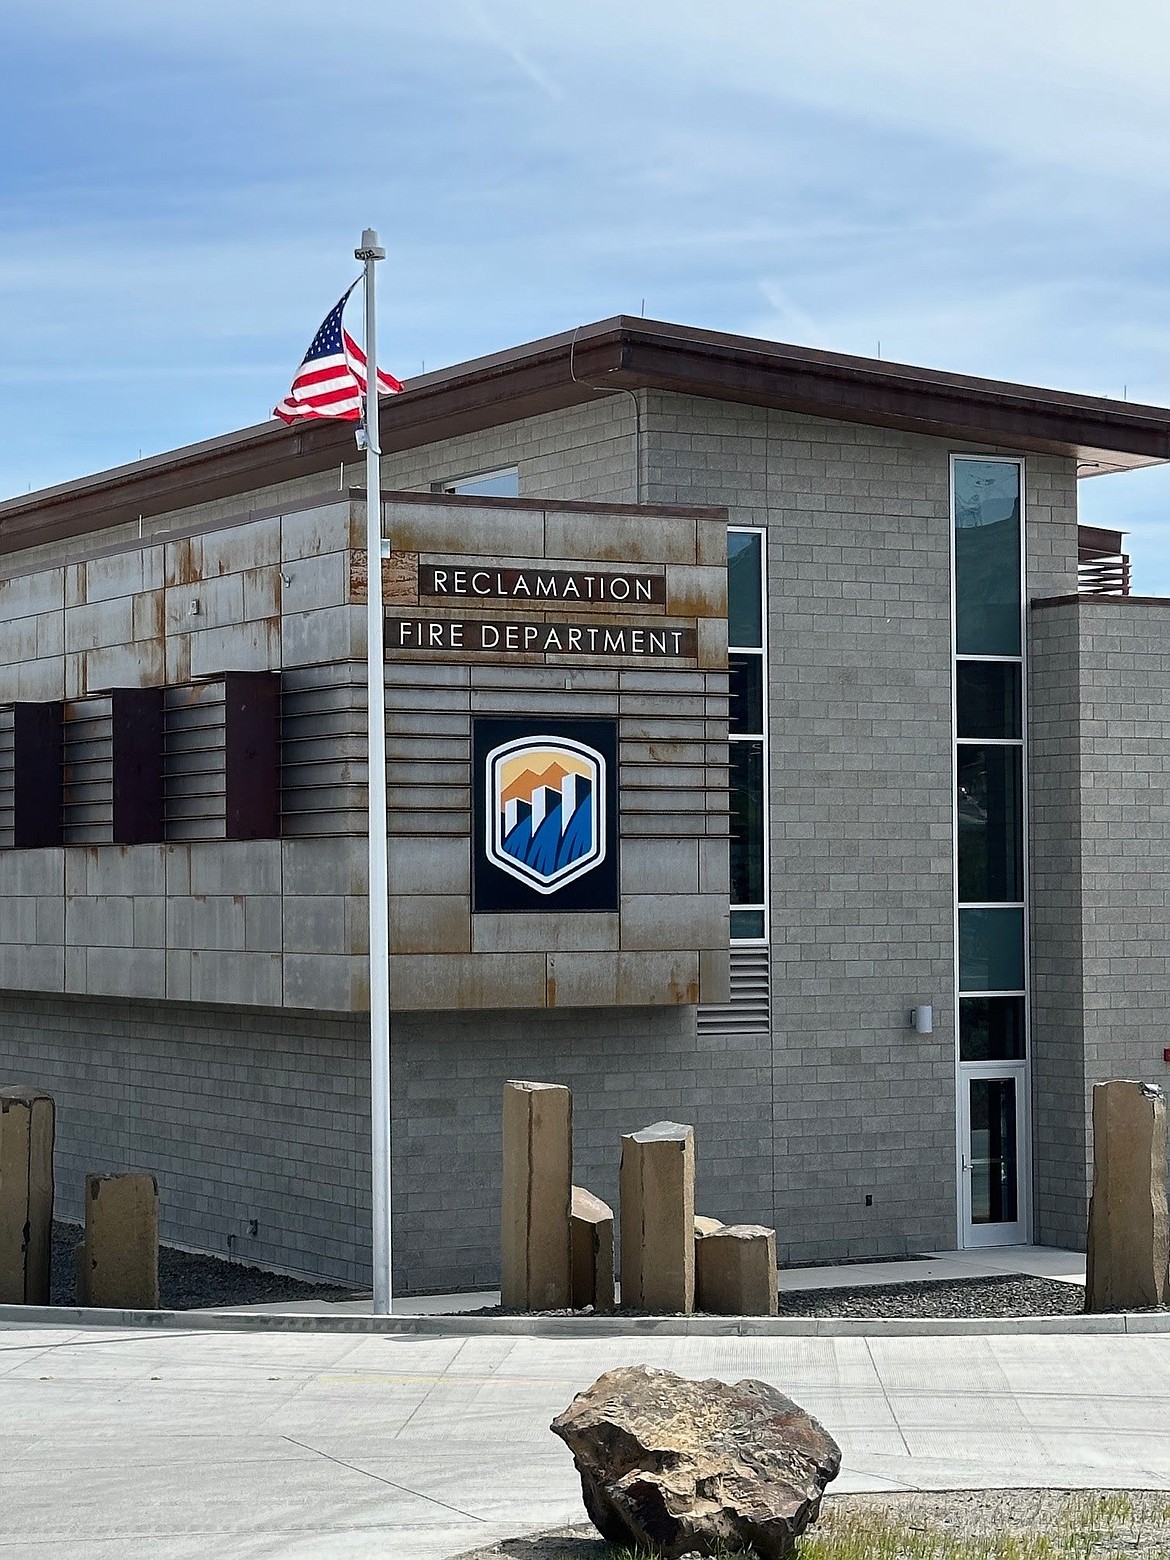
{"x": 371, "y": 252}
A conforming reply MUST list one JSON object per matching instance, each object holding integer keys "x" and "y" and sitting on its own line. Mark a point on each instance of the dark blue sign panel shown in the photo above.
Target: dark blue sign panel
{"x": 545, "y": 811}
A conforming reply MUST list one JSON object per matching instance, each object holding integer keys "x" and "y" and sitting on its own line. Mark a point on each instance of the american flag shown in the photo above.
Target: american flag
{"x": 332, "y": 377}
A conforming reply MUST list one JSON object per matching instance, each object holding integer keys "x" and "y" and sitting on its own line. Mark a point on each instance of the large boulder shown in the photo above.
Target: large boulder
{"x": 699, "y": 1467}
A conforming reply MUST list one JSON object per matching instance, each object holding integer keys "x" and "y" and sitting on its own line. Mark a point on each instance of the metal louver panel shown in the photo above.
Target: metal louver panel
{"x": 89, "y": 771}
{"x": 195, "y": 782}
{"x": 323, "y": 750}
{"x": 749, "y": 1011}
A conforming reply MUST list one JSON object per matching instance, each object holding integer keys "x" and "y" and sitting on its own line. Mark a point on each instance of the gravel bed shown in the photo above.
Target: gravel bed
{"x": 191, "y": 1280}
{"x": 1078, "y": 1524}
{"x": 1015, "y": 1294}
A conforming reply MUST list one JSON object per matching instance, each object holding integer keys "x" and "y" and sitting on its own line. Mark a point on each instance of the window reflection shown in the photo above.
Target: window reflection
{"x": 746, "y": 688}
{"x": 991, "y": 949}
{"x": 991, "y": 836}
{"x": 484, "y": 484}
{"x": 747, "y": 695}
{"x": 987, "y": 698}
{"x": 994, "y": 1172}
{"x": 987, "y": 557}
{"x": 991, "y": 1029}
{"x": 744, "y": 589}
{"x": 747, "y": 823}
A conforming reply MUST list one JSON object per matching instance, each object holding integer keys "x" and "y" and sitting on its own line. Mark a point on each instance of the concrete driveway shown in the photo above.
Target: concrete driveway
{"x": 174, "y": 1445}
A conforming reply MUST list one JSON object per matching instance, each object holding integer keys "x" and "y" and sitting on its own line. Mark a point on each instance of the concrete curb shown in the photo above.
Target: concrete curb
{"x": 574, "y": 1327}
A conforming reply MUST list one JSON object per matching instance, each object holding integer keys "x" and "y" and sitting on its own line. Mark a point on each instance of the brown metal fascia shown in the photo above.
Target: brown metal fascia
{"x": 217, "y": 470}
{"x": 1091, "y": 599}
{"x": 1096, "y": 541}
{"x": 897, "y": 396}
{"x": 504, "y": 393}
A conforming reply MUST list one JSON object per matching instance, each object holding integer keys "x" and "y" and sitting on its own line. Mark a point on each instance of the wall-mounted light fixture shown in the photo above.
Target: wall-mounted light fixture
{"x": 922, "y": 1018}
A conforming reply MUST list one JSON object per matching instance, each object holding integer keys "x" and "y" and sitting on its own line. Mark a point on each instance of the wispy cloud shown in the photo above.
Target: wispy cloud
{"x": 506, "y": 43}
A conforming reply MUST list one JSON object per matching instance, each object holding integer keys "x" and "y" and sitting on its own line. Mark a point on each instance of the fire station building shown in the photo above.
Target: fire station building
{"x": 768, "y": 748}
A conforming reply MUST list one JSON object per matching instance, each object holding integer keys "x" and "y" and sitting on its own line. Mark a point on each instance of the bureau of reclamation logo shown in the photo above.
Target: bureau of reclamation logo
{"x": 546, "y": 810}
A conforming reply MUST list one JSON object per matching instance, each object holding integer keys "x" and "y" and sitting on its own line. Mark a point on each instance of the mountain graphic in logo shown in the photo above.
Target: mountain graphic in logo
{"x": 546, "y": 810}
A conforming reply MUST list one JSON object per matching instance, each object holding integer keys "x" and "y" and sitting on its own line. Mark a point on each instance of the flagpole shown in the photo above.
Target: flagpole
{"x": 379, "y": 890}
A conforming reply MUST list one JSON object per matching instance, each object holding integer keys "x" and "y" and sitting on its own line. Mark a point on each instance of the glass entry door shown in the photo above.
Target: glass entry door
{"x": 994, "y": 1169}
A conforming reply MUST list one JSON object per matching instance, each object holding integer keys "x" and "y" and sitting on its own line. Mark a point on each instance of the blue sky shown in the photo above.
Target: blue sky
{"x": 978, "y": 186}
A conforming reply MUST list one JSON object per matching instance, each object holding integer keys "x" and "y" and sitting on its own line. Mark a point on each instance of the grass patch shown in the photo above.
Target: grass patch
{"x": 649, "y": 1554}
{"x": 1115, "y": 1525}
{"x": 991, "y": 1525}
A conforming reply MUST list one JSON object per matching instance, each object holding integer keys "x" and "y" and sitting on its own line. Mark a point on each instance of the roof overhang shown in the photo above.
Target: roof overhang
{"x": 600, "y": 360}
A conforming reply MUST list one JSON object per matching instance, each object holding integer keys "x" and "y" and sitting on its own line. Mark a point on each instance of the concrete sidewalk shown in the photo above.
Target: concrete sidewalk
{"x": 169, "y": 1445}
{"x": 1038, "y": 1261}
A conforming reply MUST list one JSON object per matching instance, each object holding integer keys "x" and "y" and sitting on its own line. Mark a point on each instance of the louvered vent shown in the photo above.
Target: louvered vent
{"x": 323, "y": 750}
{"x": 195, "y": 770}
{"x": 89, "y": 771}
{"x": 750, "y": 1010}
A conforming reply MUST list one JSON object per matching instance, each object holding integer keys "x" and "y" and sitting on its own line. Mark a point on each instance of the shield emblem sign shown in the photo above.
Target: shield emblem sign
{"x": 545, "y": 810}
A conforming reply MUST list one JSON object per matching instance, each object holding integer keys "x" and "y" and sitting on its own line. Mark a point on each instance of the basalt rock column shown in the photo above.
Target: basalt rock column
{"x": 658, "y": 1218}
{"x": 735, "y": 1271}
{"x": 536, "y": 1269}
{"x": 1128, "y": 1228}
{"x": 117, "y": 1265}
{"x": 592, "y": 1251}
{"x": 27, "y": 1125}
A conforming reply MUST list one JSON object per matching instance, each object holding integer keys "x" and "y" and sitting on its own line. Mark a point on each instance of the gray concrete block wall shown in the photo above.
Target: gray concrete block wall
{"x": 242, "y": 1115}
{"x": 581, "y": 452}
{"x": 860, "y": 743}
{"x": 1059, "y": 1120}
{"x": 1124, "y": 652}
{"x": 861, "y": 818}
{"x": 1051, "y": 517}
{"x": 265, "y": 1115}
{"x": 1101, "y": 877}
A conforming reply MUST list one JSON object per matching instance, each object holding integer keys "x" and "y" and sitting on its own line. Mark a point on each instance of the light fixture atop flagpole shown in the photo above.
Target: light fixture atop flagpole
{"x": 370, "y": 252}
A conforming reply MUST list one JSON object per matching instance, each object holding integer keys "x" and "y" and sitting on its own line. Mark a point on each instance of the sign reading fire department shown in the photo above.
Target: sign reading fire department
{"x": 481, "y": 636}
{"x": 545, "y": 805}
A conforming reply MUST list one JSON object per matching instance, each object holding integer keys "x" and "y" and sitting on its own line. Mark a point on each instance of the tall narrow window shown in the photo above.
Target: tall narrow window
{"x": 987, "y": 557}
{"x": 991, "y": 883}
{"x": 989, "y": 766}
{"x": 746, "y": 728}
